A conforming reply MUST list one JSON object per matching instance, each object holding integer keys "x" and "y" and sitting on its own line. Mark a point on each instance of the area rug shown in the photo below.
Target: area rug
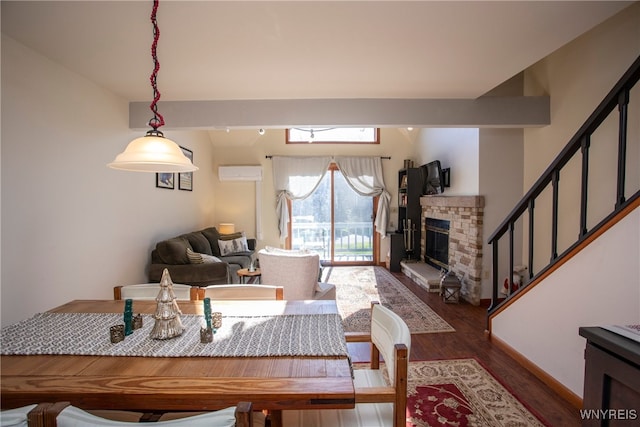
{"x": 357, "y": 286}
{"x": 461, "y": 392}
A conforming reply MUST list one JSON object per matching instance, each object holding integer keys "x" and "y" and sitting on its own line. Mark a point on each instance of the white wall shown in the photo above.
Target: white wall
{"x": 71, "y": 227}
{"x": 500, "y": 182}
{"x": 577, "y": 78}
{"x": 0, "y": 184}
{"x": 456, "y": 148}
{"x": 606, "y": 294}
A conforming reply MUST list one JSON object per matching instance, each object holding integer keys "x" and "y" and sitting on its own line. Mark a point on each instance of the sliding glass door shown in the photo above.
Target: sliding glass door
{"x": 334, "y": 221}
{"x": 311, "y": 221}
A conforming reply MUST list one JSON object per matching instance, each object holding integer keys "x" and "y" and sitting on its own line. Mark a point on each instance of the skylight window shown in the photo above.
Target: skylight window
{"x": 333, "y": 135}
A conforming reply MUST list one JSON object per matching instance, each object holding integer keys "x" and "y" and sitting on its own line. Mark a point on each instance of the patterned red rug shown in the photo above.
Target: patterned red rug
{"x": 461, "y": 392}
{"x": 356, "y": 287}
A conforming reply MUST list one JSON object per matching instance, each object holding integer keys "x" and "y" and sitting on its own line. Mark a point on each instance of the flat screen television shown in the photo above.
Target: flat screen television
{"x": 433, "y": 178}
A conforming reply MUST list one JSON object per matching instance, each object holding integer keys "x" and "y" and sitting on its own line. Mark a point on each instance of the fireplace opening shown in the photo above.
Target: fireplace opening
{"x": 437, "y": 243}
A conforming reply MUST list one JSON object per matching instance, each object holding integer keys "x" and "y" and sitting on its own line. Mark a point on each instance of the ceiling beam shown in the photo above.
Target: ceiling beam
{"x": 488, "y": 111}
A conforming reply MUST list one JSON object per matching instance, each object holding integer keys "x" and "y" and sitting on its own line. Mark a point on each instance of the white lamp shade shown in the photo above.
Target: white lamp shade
{"x": 226, "y": 228}
{"x": 153, "y": 153}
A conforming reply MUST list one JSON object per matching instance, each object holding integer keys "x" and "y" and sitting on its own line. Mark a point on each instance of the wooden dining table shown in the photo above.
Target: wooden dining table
{"x": 151, "y": 384}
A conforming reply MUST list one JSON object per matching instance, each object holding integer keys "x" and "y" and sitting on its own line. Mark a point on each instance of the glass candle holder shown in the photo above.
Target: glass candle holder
{"x": 137, "y": 321}
{"x": 206, "y": 335}
{"x": 216, "y": 320}
{"x": 116, "y": 333}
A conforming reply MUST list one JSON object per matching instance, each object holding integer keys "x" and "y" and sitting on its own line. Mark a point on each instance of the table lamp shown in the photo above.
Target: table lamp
{"x": 226, "y": 228}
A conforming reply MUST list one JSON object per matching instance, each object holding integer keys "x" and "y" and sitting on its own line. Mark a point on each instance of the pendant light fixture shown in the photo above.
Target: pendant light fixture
{"x": 153, "y": 152}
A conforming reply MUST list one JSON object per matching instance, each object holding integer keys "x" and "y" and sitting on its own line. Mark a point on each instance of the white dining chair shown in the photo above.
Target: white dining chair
{"x": 20, "y": 417}
{"x": 62, "y": 414}
{"x": 241, "y": 292}
{"x": 378, "y": 404}
{"x": 149, "y": 291}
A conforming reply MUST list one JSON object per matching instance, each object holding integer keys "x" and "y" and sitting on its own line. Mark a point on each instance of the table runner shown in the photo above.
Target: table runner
{"x": 240, "y": 336}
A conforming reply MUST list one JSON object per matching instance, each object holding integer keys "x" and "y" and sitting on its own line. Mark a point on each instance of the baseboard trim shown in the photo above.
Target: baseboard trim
{"x": 485, "y": 302}
{"x": 555, "y": 385}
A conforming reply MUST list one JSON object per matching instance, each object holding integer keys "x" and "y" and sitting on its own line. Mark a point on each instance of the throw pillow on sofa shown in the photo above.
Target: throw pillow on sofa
{"x": 198, "y": 258}
{"x": 231, "y": 236}
{"x": 233, "y": 246}
{"x": 214, "y": 237}
{"x": 198, "y": 242}
{"x": 173, "y": 251}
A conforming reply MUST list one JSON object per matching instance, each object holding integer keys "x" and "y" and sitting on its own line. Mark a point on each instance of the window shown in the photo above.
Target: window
{"x": 333, "y": 135}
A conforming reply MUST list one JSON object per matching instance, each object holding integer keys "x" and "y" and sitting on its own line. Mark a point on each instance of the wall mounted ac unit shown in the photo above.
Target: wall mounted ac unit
{"x": 240, "y": 173}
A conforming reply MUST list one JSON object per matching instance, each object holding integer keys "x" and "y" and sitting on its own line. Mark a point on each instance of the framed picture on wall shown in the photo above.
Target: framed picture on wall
{"x": 185, "y": 179}
{"x": 165, "y": 180}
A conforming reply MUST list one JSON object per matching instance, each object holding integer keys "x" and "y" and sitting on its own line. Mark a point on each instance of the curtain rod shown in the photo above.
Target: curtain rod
{"x": 382, "y": 157}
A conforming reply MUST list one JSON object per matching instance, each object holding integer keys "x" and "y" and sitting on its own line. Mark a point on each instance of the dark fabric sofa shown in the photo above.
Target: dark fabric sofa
{"x": 172, "y": 255}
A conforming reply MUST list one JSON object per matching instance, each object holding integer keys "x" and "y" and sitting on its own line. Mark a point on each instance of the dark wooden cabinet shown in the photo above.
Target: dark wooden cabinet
{"x": 410, "y": 184}
{"x": 611, "y": 379}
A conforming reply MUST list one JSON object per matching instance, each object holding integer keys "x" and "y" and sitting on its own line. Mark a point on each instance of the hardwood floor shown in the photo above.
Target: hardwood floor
{"x": 469, "y": 340}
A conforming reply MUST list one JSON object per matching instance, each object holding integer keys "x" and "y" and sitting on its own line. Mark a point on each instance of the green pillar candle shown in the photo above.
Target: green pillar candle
{"x": 128, "y": 316}
{"x": 207, "y": 312}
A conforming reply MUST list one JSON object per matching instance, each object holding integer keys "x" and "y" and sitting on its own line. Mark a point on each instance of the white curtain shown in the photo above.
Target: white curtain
{"x": 364, "y": 175}
{"x": 295, "y": 178}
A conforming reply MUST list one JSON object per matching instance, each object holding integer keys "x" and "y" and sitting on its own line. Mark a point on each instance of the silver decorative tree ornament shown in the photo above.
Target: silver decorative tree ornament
{"x": 168, "y": 324}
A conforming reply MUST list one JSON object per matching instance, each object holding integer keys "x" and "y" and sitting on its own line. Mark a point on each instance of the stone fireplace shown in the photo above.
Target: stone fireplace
{"x": 464, "y": 215}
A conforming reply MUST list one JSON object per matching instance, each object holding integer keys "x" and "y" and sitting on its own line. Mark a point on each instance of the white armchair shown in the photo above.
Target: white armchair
{"x": 296, "y": 271}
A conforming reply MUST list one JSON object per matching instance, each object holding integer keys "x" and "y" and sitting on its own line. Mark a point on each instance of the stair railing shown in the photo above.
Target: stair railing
{"x": 618, "y": 97}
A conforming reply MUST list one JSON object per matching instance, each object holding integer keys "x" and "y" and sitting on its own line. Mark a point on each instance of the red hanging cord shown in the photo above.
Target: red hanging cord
{"x": 157, "y": 119}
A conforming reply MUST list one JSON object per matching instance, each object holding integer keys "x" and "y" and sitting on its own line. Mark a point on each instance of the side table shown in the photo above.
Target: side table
{"x": 611, "y": 377}
{"x": 245, "y": 274}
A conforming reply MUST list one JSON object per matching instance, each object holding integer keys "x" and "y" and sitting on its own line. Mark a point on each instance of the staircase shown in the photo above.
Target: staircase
{"x": 525, "y": 211}
{"x": 562, "y": 268}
